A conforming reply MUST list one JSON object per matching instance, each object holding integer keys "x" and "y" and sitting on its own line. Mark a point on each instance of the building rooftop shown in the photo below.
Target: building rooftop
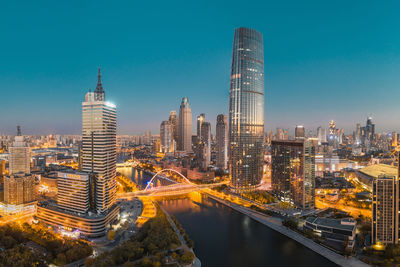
{"x": 379, "y": 169}
{"x": 332, "y": 223}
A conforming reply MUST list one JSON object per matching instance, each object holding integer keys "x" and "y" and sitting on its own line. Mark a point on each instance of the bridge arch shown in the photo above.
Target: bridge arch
{"x": 164, "y": 170}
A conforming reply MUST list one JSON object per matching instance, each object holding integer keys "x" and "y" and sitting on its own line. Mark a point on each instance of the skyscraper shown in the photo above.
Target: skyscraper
{"x": 206, "y": 141}
{"x": 185, "y": 126}
{"x": 18, "y": 186}
{"x": 246, "y": 110}
{"x": 173, "y": 120}
{"x": 385, "y": 210}
{"x": 99, "y": 151}
{"x": 222, "y": 141}
{"x": 200, "y": 120}
{"x": 19, "y": 159}
{"x": 293, "y": 171}
{"x": 166, "y": 137}
{"x": 321, "y": 134}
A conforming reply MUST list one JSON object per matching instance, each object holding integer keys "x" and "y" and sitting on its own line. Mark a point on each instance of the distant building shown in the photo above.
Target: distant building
{"x": 222, "y": 141}
{"x": 18, "y": 186}
{"x": 173, "y": 120}
{"x": 166, "y": 137}
{"x": 206, "y": 140}
{"x": 200, "y": 120}
{"x": 299, "y": 132}
{"x": 293, "y": 172}
{"x": 321, "y": 134}
{"x": 19, "y": 158}
{"x": 385, "y": 210}
{"x": 185, "y": 126}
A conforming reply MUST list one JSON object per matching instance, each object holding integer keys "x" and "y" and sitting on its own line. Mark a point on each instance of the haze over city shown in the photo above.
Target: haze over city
{"x": 323, "y": 61}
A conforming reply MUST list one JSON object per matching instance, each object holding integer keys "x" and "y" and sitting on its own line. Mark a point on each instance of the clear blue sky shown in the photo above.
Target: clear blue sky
{"x": 323, "y": 60}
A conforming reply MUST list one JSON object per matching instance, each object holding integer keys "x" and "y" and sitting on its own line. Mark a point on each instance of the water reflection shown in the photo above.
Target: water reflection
{"x": 224, "y": 237}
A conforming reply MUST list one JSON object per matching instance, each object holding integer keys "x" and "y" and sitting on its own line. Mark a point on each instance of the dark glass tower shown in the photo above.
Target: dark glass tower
{"x": 246, "y": 110}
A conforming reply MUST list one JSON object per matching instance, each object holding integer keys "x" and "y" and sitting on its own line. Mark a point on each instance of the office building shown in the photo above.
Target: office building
{"x": 99, "y": 155}
{"x": 185, "y": 126}
{"x": 173, "y": 120}
{"x": 293, "y": 172}
{"x": 385, "y": 210}
{"x": 200, "y": 120}
{"x": 222, "y": 141}
{"x": 321, "y": 134}
{"x": 206, "y": 141}
{"x": 246, "y": 110}
{"x": 166, "y": 137}
{"x": 19, "y": 158}
{"x": 86, "y": 201}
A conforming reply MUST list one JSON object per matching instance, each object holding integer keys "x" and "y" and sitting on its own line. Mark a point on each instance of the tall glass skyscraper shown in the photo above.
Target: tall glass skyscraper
{"x": 246, "y": 110}
{"x": 185, "y": 126}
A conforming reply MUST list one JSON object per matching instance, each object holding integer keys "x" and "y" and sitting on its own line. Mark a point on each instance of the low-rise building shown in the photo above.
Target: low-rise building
{"x": 333, "y": 229}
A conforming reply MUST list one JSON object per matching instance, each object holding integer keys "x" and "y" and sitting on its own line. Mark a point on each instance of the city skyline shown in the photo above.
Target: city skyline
{"x": 338, "y": 61}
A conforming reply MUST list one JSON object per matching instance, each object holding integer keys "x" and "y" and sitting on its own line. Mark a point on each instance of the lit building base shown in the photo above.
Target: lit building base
{"x": 89, "y": 225}
{"x": 16, "y": 210}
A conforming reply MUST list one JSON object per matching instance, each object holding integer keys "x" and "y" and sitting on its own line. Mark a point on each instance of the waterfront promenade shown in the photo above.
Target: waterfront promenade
{"x": 276, "y": 224}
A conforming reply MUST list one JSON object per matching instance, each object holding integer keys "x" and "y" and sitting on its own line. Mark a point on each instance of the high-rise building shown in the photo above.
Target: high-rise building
{"x": 222, "y": 141}
{"x": 19, "y": 159}
{"x": 200, "y": 120}
{"x": 385, "y": 210}
{"x": 357, "y": 137}
{"x": 206, "y": 140}
{"x": 246, "y": 110}
{"x": 173, "y": 120}
{"x": 99, "y": 150}
{"x": 94, "y": 189}
{"x": 321, "y": 134}
{"x": 299, "y": 132}
{"x": 394, "y": 139}
{"x": 185, "y": 126}
{"x": 280, "y": 134}
{"x": 147, "y": 138}
{"x": 166, "y": 137}
{"x": 18, "y": 186}
{"x": 293, "y": 172}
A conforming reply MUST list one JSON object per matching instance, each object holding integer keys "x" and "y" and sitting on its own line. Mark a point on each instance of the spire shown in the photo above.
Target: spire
{"x": 99, "y": 92}
{"x": 99, "y": 87}
{"x": 19, "y": 131}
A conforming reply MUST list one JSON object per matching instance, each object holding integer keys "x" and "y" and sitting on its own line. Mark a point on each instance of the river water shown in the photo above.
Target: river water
{"x": 225, "y": 237}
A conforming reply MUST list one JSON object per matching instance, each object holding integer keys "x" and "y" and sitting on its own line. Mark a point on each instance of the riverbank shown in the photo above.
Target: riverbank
{"x": 276, "y": 224}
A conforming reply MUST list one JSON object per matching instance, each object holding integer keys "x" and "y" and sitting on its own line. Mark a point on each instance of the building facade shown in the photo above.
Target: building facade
{"x": 173, "y": 120}
{"x": 246, "y": 110}
{"x": 73, "y": 191}
{"x": 299, "y": 132}
{"x": 293, "y": 172}
{"x": 222, "y": 141}
{"x": 185, "y": 126}
{"x": 385, "y": 210}
{"x": 166, "y": 137}
{"x": 99, "y": 151}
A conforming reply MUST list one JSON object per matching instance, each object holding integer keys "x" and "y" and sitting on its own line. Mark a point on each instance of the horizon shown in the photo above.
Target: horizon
{"x": 334, "y": 70}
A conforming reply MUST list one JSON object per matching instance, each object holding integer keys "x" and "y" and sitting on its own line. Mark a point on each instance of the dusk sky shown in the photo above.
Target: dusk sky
{"x": 323, "y": 60}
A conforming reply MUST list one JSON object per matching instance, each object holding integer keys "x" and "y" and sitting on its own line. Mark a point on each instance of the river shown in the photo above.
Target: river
{"x": 225, "y": 237}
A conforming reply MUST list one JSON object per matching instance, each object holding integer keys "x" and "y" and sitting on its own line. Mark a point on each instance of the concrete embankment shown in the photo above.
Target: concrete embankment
{"x": 275, "y": 224}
